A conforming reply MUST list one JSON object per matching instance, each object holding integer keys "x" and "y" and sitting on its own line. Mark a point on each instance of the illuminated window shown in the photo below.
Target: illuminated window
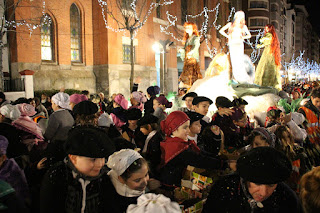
{"x": 75, "y": 31}
{"x": 126, "y": 58}
{"x": 47, "y": 42}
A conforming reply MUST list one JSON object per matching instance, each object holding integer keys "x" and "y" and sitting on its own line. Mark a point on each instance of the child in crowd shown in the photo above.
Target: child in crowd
{"x": 79, "y": 183}
{"x": 77, "y": 98}
{"x": 105, "y": 122}
{"x": 152, "y": 91}
{"x": 137, "y": 100}
{"x": 261, "y": 137}
{"x": 188, "y": 98}
{"x": 201, "y": 105}
{"x": 276, "y": 117}
{"x": 177, "y": 152}
{"x": 120, "y": 105}
{"x": 130, "y": 175}
{"x": 130, "y": 130}
{"x": 151, "y": 151}
{"x": 195, "y": 125}
{"x": 223, "y": 105}
{"x": 31, "y": 132}
{"x": 160, "y": 104}
{"x": 11, "y": 172}
{"x": 235, "y": 136}
{"x": 86, "y": 113}
{"x": 310, "y": 193}
{"x": 9, "y": 113}
{"x": 294, "y": 152}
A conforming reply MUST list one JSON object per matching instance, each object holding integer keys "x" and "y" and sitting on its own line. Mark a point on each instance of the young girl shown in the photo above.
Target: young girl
{"x": 130, "y": 175}
{"x": 151, "y": 150}
{"x": 177, "y": 152}
{"x": 130, "y": 131}
{"x": 120, "y": 105}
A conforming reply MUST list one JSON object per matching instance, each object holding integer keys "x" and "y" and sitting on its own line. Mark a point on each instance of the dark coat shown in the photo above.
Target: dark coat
{"x": 137, "y": 136}
{"x": 227, "y": 196}
{"x": 15, "y": 147}
{"x": 153, "y": 153}
{"x": 61, "y": 192}
{"x": 148, "y": 106}
{"x": 172, "y": 172}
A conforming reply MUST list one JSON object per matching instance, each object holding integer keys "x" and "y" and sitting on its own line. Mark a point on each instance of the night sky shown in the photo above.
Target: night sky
{"x": 313, "y": 9}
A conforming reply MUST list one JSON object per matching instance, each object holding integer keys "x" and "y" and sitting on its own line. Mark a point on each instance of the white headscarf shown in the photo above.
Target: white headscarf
{"x": 105, "y": 120}
{"x": 152, "y": 203}
{"x": 62, "y": 100}
{"x": 10, "y": 111}
{"x": 121, "y": 160}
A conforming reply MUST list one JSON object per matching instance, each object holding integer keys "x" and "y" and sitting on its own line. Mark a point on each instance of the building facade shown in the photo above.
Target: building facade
{"x": 76, "y": 50}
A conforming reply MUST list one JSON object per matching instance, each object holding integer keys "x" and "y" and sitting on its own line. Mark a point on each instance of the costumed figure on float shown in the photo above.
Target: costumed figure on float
{"x": 190, "y": 55}
{"x": 237, "y": 33}
{"x": 268, "y": 69}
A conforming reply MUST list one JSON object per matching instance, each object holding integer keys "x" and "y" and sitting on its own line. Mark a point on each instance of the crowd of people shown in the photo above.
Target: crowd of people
{"x": 77, "y": 154}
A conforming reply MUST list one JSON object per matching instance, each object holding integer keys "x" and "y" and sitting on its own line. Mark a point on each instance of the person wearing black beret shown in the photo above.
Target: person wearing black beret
{"x": 223, "y": 105}
{"x": 151, "y": 151}
{"x": 130, "y": 130}
{"x": 188, "y": 98}
{"x": 80, "y": 182}
{"x": 257, "y": 185}
{"x": 201, "y": 105}
{"x": 195, "y": 125}
{"x": 86, "y": 113}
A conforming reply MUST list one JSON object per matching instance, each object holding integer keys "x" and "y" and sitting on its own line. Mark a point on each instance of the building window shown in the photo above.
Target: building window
{"x": 47, "y": 39}
{"x": 75, "y": 31}
{"x": 256, "y": 4}
{"x": 126, "y": 54}
{"x": 258, "y": 22}
{"x": 274, "y": 8}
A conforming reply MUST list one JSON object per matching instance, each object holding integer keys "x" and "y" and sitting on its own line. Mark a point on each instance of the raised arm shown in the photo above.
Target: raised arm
{"x": 223, "y": 29}
{"x": 247, "y": 32}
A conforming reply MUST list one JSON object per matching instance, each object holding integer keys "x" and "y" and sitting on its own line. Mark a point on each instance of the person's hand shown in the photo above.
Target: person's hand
{"x": 41, "y": 164}
{"x": 215, "y": 129}
{"x": 153, "y": 184}
{"x": 225, "y": 111}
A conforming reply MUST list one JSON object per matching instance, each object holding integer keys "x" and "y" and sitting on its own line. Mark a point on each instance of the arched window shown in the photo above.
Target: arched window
{"x": 47, "y": 38}
{"x": 75, "y": 31}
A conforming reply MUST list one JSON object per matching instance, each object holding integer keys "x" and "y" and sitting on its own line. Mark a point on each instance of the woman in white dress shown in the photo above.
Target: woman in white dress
{"x": 237, "y": 32}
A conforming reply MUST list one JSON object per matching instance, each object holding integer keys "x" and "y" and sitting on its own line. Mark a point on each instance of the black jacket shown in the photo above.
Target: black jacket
{"x": 62, "y": 192}
{"x": 227, "y": 196}
{"x": 172, "y": 172}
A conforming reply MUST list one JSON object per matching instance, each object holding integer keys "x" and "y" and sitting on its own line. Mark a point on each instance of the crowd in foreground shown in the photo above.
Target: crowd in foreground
{"x": 77, "y": 154}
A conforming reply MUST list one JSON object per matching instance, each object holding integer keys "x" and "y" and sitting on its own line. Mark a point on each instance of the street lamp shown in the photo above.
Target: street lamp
{"x": 161, "y": 46}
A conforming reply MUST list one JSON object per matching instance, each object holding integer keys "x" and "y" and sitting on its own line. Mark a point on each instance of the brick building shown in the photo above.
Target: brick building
{"x": 76, "y": 50}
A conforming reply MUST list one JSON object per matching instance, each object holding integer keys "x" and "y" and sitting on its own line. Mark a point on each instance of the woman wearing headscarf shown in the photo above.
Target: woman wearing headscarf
{"x": 59, "y": 124}
{"x": 61, "y": 121}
